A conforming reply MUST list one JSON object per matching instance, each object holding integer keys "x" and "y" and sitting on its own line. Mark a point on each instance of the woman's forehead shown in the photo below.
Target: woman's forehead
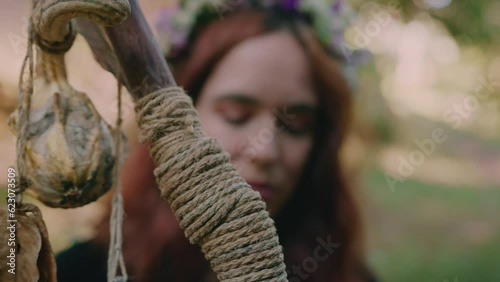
{"x": 271, "y": 68}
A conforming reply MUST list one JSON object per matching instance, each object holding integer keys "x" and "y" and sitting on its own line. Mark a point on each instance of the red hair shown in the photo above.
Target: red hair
{"x": 323, "y": 207}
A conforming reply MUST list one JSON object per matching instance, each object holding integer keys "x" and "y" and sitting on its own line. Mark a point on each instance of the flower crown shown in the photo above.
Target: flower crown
{"x": 328, "y": 19}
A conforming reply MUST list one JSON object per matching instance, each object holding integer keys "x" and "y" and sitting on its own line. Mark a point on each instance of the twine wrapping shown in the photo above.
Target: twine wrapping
{"x": 216, "y": 208}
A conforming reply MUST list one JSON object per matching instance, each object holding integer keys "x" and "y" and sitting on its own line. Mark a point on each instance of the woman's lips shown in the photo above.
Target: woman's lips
{"x": 265, "y": 190}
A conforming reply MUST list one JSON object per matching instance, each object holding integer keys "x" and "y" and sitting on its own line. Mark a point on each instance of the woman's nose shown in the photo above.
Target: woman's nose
{"x": 267, "y": 149}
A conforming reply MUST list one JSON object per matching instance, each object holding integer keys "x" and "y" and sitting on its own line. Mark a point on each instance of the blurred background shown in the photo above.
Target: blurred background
{"x": 426, "y": 144}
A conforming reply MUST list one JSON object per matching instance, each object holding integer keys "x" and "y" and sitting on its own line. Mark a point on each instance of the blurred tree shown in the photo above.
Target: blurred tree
{"x": 476, "y": 22}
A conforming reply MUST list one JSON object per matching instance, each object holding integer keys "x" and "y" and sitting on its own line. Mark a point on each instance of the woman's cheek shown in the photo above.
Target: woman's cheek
{"x": 234, "y": 143}
{"x": 295, "y": 153}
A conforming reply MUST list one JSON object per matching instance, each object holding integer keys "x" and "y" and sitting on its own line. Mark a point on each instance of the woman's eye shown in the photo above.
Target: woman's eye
{"x": 237, "y": 119}
{"x": 234, "y": 114}
{"x": 297, "y": 126}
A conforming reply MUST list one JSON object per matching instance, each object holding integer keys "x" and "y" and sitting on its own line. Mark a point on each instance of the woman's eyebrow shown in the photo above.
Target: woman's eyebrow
{"x": 301, "y": 108}
{"x": 239, "y": 98}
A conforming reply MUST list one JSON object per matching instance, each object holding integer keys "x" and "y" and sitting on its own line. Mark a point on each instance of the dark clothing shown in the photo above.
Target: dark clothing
{"x": 87, "y": 262}
{"x": 83, "y": 262}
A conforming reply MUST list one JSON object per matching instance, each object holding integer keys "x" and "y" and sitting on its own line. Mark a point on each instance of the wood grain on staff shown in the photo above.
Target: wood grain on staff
{"x": 139, "y": 57}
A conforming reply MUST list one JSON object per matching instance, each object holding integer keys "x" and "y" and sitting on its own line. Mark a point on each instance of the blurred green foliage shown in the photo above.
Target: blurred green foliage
{"x": 470, "y": 22}
{"x": 428, "y": 232}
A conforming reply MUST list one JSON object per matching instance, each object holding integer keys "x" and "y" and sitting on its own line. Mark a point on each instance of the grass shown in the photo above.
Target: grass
{"x": 425, "y": 232}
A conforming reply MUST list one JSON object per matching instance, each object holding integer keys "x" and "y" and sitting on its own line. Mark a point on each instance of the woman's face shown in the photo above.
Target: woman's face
{"x": 259, "y": 103}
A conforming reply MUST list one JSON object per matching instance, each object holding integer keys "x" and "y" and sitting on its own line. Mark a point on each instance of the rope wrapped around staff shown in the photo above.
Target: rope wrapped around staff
{"x": 217, "y": 209}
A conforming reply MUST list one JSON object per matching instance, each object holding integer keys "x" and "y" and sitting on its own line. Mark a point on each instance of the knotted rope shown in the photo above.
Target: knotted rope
{"x": 216, "y": 208}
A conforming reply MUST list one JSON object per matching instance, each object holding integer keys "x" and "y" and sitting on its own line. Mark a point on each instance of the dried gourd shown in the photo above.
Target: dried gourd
{"x": 70, "y": 153}
{"x": 25, "y": 247}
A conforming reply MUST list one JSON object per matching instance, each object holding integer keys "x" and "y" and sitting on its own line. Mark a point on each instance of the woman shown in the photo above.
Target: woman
{"x": 269, "y": 91}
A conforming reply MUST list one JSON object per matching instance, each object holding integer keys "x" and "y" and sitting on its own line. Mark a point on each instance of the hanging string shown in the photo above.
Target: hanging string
{"x": 115, "y": 255}
{"x": 25, "y": 93}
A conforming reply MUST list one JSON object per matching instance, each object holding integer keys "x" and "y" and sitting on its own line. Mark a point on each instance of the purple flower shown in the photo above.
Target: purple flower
{"x": 169, "y": 31}
{"x": 290, "y": 4}
{"x": 337, "y": 39}
{"x": 336, "y": 6}
{"x": 164, "y": 21}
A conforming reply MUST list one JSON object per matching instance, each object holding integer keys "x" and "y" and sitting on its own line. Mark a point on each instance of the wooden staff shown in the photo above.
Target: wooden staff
{"x": 130, "y": 52}
{"x": 234, "y": 253}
